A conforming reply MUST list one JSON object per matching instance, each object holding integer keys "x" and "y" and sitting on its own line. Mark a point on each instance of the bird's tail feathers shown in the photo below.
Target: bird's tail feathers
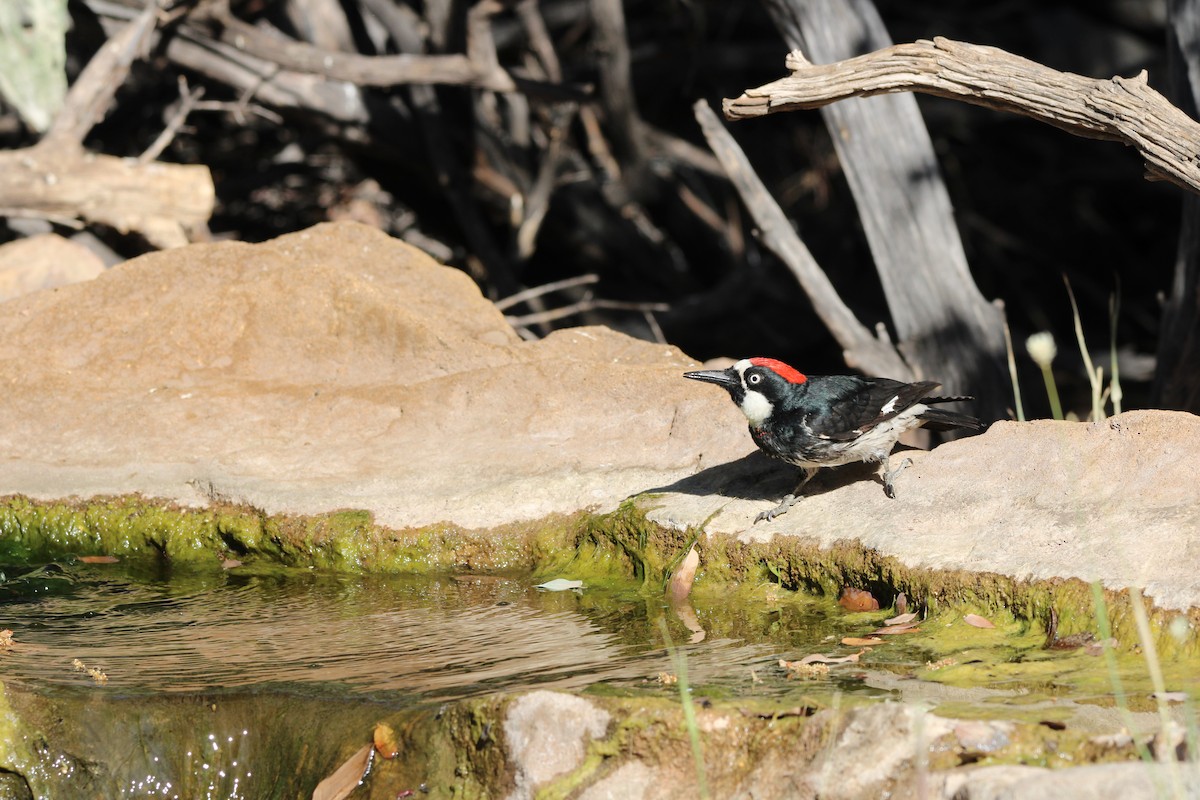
{"x": 937, "y": 419}
{"x": 960, "y": 398}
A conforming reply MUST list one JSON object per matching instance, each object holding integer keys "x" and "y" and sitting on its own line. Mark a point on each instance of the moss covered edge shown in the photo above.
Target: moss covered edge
{"x": 621, "y": 544}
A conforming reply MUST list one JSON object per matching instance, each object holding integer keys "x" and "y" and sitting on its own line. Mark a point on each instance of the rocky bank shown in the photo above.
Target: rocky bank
{"x": 337, "y": 368}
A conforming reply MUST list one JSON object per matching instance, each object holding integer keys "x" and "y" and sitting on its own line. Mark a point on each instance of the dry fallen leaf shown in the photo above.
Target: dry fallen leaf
{"x": 856, "y": 641}
{"x": 560, "y": 585}
{"x": 385, "y": 741}
{"x": 976, "y": 621}
{"x": 817, "y": 658}
{"x": 901, "y": 619}
{"x": 895, "y": 630}
{"x": 99, "y": 559}
{"x": 857, "y": 600}
{"x": 345, "y": 778}
{"x": 681, "y": 580}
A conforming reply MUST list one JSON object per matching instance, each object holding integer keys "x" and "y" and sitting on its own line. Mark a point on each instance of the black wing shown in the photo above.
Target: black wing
{"x": 853, "y": 405}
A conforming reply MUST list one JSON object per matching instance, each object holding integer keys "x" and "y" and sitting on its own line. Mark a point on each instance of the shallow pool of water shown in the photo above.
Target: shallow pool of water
{"x": 407, "y": 640}
{"x": 257, "y": 681}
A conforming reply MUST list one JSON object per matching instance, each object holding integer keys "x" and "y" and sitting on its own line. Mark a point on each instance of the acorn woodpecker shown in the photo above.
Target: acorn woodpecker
{"x": 816, "y": 421}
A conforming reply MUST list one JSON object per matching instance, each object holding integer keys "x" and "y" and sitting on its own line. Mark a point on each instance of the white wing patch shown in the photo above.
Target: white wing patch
{"x": 889, "y": 406}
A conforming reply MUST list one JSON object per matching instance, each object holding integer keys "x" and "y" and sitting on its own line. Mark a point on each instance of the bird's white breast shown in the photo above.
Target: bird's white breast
{"x": 757, "y": 408}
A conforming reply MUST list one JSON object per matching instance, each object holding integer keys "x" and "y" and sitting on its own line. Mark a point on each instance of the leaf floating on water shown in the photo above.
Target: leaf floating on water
{"x": 895, "y": 630}
{"x": 560, "y": 585}
{"x": 99, "y": 559}
{"x": 385, "y": 741}
{"x": 857, "y": 600}
{"x": 857, "y": 641}
{"x": 817, "y": 658}
{"x": 901, "y": 619}
{"x": 976, "y": 621}
{"x": 346, "y": 778}
{"x": 680, "y": 585}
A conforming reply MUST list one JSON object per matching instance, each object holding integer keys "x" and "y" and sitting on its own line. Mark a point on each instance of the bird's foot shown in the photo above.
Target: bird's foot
{"x": 779, "y": 510}
{"x": 889, "y": 477}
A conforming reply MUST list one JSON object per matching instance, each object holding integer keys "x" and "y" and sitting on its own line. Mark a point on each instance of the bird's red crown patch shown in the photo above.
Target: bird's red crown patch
{"x": 789, "y": 374}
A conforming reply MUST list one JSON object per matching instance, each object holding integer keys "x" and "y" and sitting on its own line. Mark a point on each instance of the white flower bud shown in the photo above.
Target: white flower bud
{"x": 1042, "y": 349}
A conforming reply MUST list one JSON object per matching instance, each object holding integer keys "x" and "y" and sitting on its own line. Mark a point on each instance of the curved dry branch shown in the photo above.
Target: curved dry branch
{"x": 861, "y": 350}
{"x": 1117, "y": 109}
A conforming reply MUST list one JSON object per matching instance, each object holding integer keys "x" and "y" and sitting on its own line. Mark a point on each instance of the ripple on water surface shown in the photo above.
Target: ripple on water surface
{"x": 431, "y": 638}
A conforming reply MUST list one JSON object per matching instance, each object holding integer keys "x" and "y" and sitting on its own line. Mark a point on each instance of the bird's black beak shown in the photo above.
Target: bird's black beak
{"x": 727, "y": 378}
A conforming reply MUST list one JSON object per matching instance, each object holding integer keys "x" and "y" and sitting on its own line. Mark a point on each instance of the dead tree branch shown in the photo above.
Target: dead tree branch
{"x": 359, "y": 69}
{"x": 91, "y": 95}
{"x": 1117, "y": 109}
{"x": 861, "y": 349}
{"x": 163, "y": 202}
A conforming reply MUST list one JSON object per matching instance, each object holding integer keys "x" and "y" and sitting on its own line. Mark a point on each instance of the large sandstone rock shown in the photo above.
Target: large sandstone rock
{"x": 339, "y": 368}
{"x": 1117, "y": 500}
{"x": 334, "y": 368}
{"x": 46, "y": 261}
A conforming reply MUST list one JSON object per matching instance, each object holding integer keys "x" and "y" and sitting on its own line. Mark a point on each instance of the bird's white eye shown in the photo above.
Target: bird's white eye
{"x": 754, "y": 377}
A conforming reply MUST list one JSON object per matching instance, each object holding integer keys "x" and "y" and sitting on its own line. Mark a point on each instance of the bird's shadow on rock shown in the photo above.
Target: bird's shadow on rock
{"x": 758, "y": 477}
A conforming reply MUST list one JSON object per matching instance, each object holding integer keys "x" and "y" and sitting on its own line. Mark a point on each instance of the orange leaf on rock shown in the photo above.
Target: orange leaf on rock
{"x": 385, "y": 741}
{"x": 857, "y": 600}
{"x": 681, "y": 580}
{"x": 99, "y": 559}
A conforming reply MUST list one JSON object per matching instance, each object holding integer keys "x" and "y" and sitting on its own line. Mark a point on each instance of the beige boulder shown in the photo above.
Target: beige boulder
{"x": 335, "y": 368}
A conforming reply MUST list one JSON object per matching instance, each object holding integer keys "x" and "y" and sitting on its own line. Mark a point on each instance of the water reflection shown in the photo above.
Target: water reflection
{"x": 430, "y": 639}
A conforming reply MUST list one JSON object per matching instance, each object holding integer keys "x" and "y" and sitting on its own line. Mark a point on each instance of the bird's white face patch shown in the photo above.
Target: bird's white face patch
{"x": 757, "y": 408}
{"x": 889, "y": 406}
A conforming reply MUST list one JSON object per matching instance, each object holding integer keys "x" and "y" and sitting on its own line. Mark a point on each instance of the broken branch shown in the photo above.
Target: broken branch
{"x": 1117, "y": 109}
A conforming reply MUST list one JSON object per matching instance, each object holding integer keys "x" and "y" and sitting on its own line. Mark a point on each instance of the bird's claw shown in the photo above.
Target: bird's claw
{"x": 778, "y": 510}
{"x": 889, "y": 478}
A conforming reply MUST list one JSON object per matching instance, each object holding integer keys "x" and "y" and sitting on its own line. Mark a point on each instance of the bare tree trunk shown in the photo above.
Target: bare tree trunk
{"x": 1177, "y": 379}
{"x": 946, "y": 329}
